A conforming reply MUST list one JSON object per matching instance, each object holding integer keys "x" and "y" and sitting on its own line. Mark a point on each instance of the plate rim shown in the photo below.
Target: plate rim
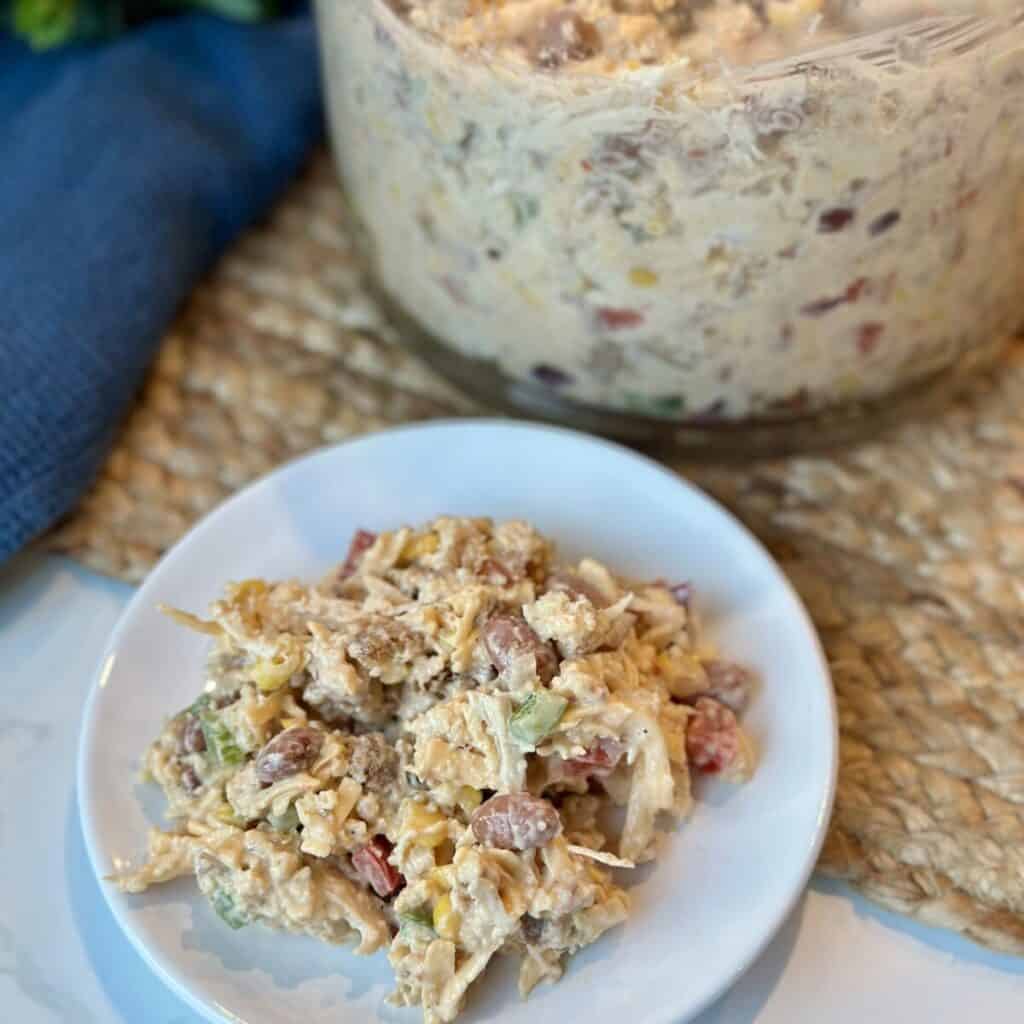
{"x": 217, "y": 1014}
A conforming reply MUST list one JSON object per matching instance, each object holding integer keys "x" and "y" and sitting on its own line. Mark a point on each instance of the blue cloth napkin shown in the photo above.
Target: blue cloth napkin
{"x": 126, "y": 169}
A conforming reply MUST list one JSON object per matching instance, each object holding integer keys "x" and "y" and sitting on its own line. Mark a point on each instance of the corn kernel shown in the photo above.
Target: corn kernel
{"x": 468, "y": 798}
{"x": 417, "y": 547}
{"x": 245, "y": 588}
{"x": 442, "y": 878}
{"x": 421, "y": 816}
{"x": 446, "y": 921}
{"x": 424, "y": 821}
{"x": 678, "y": 663}
{"x": 655, "y": 227}
{"x": 268, "y": 676}
{"x": 849, "y": 384}
{"x": 641, "y": 277}
{"x": 226, "y": 814}
{"x": 272, "y": 673}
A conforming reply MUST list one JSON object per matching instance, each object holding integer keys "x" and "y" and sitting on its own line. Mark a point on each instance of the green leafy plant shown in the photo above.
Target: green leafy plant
{"x": 47, "y": 24}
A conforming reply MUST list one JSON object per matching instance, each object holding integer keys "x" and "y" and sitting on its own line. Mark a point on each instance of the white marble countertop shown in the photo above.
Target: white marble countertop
{"x": 62, "y": 959}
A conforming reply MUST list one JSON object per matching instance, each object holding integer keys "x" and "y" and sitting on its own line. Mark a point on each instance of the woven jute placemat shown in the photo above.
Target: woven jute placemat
{"x": 908, "y": 551}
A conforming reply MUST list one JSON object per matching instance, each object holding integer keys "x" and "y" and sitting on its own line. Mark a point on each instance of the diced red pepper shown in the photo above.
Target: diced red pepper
{"x": 494, "y": 571}
{"x": 856, "y": 289}
{"x": 728, "y": 683}
{"x": 868, "y": 336}
{"x": 712, "y": 737}
{"x": 362, "y": 541}
{"x": 598, "y": 761}
{"x": 968, "y": 198}
{"x": 371, "y": 861}
{"x": 614, "y": 319}
{"x": 821, "y": 306}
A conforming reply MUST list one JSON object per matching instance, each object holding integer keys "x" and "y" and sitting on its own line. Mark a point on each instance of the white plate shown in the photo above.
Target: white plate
{"x": 727, "y": 877}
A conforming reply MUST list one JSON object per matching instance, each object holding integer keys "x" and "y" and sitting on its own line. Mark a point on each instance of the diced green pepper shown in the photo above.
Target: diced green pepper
{"x": 536, "y": 717}
{"x": 226, "y": 813}
{"x": 220, "y": 741}
{"x": 421, "y": 917}
{"x": 287, "y": 822}
{"x": 524, "y": 207}
{"x": 199, "y": 705}
{"x": 228, "y": 910}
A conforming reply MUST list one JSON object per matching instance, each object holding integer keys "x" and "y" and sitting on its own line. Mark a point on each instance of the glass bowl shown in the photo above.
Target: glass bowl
{"x": 742, "y": 247}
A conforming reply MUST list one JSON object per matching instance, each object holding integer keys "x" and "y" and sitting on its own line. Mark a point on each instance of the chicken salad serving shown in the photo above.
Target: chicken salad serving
{"x": 419, "y": 752}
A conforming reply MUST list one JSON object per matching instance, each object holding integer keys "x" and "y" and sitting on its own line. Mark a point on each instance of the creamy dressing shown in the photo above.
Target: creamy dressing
{"x": 414, "y": 753}
{"x": 650, "y": 222}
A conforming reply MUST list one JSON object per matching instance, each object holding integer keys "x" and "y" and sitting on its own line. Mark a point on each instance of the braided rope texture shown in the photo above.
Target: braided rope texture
{"x": 908, "y": 551}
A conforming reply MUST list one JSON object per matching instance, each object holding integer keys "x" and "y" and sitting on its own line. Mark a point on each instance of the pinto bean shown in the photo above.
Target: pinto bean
{"x": 371, "y": 861}
{"x": 564, "y": 36}
{"x": 515, "y": 821}
{"x": 288, "y": 753}
{"x": 508, "y": 637}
